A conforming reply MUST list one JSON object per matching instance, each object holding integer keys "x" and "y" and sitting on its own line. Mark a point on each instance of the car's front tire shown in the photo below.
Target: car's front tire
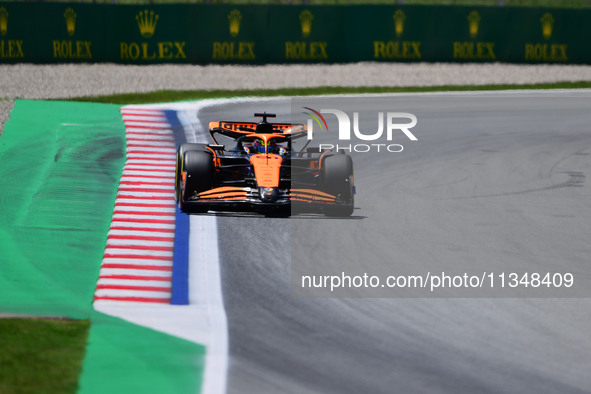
{"x": 186, "y": 147}
{"x": 198, "y": 166}
{"x": 337, "y": 179}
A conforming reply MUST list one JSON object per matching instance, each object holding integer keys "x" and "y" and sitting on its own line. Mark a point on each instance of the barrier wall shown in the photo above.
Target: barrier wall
{"x": 201, "y": 34}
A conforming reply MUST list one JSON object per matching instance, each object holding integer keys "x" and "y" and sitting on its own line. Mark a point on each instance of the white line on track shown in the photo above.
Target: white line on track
{"x": 137, "y": 129}
{"x": 205, "y": 285}
{"x": 148, "y": 161}
{"x": 130, "y": 234}
{"x": 149, "y": 168}
{"x": 147, "y": 226}
{"x": 137, "y": 272}
{"x": 138, "y": 242}
{"x": 126, "y": 201}
{"x": 141, "y": 211}
{"x": 138, "y": 139}
{"x": 160, "y": 143}
{"x": 154, "y": 173}
{"x": 159, "y": 261}
{"x": 113, "y": 250}
{"x": 153, "y": 182}
{"x": 132, "y": 293}
{"x": 151, "y": 173}
{"x": 144, "y": 193}
{"x": 154, "y": 146}
{"x": 147, "y": 155}
{"x": 120, "y": 209}
{"x": 138, "y": 117}
{"x": 153, "y": 150}
{"x": 130, "y": 124}
{"x": 164, "y": 187}
{"x": 164, "y": 282}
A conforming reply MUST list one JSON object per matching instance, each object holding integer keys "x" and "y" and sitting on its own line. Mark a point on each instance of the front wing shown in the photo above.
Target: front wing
{"x": 248, "y": 198}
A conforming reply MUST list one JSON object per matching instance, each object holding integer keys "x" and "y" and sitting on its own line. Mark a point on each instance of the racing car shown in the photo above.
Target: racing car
{"x": 262, "y": 172}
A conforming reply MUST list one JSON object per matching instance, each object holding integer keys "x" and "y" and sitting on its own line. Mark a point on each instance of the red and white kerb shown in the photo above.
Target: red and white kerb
{"x": 137, "y": 265}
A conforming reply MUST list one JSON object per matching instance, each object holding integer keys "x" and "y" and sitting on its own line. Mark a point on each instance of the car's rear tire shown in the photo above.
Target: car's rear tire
{"x": 186, "y": 147}
{"x": 337, "y": 179}
{"x": 199, "y": 168}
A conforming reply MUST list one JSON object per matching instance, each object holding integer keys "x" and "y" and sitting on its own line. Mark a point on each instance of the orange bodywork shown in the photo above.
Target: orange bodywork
{"x": 216, "y": 160}
{"x": 311, "y": 195}
{"x": 233, "y": 126}
{"x": 223, "y": 193}
{"x": 266, "y": 169}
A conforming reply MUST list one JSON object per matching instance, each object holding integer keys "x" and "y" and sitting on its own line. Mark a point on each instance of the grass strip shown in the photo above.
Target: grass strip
{"x": 39, "y": 356}
{"x": 161, "y": 96}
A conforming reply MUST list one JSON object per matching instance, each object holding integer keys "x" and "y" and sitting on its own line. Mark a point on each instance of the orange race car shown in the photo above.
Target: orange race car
{"x": 262, "y": 172}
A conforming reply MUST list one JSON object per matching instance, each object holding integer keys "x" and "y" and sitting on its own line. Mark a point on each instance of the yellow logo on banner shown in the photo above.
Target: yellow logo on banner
{"x": 3, "y": 20}
{"x": 235, "y": 17}
{"x": 474, "y": 50}
{"x": 9, "y": 48}
{"x": 306, "y": 50}
{"x": 546, "y": 52}
{"x": 166, "y": 50}
{"x": 233, "y": 50}
{"x": 399, "y": 18}
{"x": 70, "y": 16}
{"x": 72, "y": 49}
{"x": 146, "y": 21}
{"x": 473, "y": 23}
{"x": 547, "y": 24}
{"x": 306, "y": 18}
{"x": 396, "y": 50}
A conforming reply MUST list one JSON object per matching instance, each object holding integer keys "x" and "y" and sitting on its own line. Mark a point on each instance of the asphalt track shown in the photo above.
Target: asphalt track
{"x": 493, "y": 180}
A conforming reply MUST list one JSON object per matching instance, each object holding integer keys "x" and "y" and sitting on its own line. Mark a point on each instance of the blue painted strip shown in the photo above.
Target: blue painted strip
{"x": 178, "y": 130}
{"x": 180, "y": 263}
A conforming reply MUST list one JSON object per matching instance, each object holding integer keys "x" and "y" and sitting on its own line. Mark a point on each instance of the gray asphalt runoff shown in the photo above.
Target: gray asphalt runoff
{"x": 5, "y": 108}
{"x": 487, "y": 180}
{"x": 30, "y": 81}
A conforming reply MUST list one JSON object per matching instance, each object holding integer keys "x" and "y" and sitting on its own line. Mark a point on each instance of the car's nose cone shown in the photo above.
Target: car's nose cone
{"x": 269, "y": 194}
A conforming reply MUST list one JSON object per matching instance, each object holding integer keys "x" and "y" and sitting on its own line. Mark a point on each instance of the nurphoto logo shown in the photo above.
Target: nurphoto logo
{"x": 345, "y": 130}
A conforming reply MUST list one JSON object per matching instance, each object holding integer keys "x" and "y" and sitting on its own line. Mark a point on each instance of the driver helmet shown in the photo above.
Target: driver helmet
{"x": 259, "y": 146}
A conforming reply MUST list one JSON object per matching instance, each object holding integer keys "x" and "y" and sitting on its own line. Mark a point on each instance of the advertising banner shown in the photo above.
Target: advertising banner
{"x": 240, "y": 34}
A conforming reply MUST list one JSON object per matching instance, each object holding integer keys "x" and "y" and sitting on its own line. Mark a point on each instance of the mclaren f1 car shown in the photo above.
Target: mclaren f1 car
{"x": 262, "y": 172}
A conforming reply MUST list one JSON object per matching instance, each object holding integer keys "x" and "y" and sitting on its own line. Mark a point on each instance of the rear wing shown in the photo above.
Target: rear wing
{"x": 238, "y": 129}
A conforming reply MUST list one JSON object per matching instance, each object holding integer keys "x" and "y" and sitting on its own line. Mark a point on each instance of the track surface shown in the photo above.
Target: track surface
{"x": 493, "y": 178}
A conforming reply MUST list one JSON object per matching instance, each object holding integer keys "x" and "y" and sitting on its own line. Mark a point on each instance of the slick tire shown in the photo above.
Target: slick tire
{"x": 199, "y": 168}
{"x": 337, "y": 178}
{"x": 186, "y": 147}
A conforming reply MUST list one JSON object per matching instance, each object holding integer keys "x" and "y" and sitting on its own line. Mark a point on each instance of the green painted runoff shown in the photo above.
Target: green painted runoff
{"x": 124, "y": 358}
{"x": 60, "y": 166}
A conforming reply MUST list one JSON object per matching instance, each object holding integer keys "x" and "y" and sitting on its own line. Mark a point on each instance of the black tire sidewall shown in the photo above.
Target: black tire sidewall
{"x": 199, "y": 168}
{"x": 182, "y": 149}
{"x": 336, "y": 177}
